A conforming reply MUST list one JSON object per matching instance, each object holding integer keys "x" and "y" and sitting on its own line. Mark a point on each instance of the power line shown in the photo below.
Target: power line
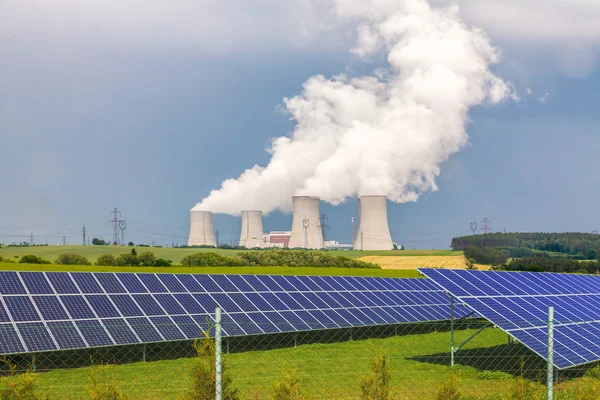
{"x": 83, "y": 232}
{"x": 486, "y": 226}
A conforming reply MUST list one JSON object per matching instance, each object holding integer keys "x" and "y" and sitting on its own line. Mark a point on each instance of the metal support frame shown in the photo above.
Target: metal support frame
{"x": 33, "y": 363}
{"x": 218, "y": 363}
{"x": 144, "y": 353}
{"x": 550, "y": 376}
{"x": 296, "y": 339}
{"x": 451, "y": 331}
{"x": 454, "y": 349}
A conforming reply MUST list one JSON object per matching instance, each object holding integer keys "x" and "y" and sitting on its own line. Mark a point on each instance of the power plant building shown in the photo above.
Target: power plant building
{"x": 252, "y": 234}
{"x": 201, "y": 229}
{"x": 373, "y": 229}
{"x": 306, "y": 223}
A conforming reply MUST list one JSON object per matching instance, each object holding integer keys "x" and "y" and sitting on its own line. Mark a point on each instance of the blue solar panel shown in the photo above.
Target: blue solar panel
{"x": 10, "y": 342}
{"x": 518, "y": 302}
{"x": 77, "y": 307}
{"x": 35, "y": 336}
{"x": 171, "y": 283}
{"x": 103, "y": 307}
{"x": 132, "y": 283}
{"x": 62, "y": 283}
{"x": 94, "y": 333}
{"x": 187, "y": 325}
{"x": 145, "y": 330}
{"x": 152, "y": 283}
{"x": 3, "y": 314}
{"x": 126, "y": 306}
{"x": 148, "y": 304}
{"x": 11, "y": 284}
{"x": 86, "y": 282}
{"x": 110, "y": 283}
{"x": 21, "y": 308}
{"x": 120, "y": 331}
{"x": 170, "y": 305}
{"x": 37, "y": 283}
{"x": 58, "y": 310}
{"x": 167, "y": 328}
{"x": 66, "y": 335}
{"x": 50, "y": 308}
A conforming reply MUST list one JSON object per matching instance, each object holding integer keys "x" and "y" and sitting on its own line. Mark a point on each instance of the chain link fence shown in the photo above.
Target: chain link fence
{"x": 405, "y": 361}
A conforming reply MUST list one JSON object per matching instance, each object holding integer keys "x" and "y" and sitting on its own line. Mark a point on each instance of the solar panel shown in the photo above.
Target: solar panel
{"x": 45, "y": 311}
{"x": 517, "y": 302}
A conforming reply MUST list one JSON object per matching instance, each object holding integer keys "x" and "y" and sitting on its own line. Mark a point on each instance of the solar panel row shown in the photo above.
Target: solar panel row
{"x": 58, "y": 310}
{"x": 518, "y": 302}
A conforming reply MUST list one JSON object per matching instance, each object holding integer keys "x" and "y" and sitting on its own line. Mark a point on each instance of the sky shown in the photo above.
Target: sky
{"x": 150, "y": 105}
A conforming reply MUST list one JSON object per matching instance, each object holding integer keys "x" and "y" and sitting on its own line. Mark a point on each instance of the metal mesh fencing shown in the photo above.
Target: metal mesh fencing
{"x": 403, "y": 361}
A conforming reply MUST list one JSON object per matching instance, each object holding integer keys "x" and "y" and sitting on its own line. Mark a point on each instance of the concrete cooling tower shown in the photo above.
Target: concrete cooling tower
{"x": 252, "y": 229}
{"x": 201, "y": 229}
{"x": 306, "y": 223}
{"x": 373, "y": 229}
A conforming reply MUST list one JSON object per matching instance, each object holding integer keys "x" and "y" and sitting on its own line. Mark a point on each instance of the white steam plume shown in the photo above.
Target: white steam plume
{"x": 383, "y": 134}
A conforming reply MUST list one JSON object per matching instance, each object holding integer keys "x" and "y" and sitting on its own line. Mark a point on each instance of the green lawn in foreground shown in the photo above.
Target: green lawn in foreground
{"x": 418, "y": 363}
{"x": 50, "y": 253}
{"x": 219, "y": 270}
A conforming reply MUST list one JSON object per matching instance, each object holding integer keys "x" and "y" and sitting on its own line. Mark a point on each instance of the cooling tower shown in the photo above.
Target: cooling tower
{"x": 252, "y": 229}
{"x": 306, "y": 223}
{"x": 373, "y": 229}
{"x": 201, "y": 229}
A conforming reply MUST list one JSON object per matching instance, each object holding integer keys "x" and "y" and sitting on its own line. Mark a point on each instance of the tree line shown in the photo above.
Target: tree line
{"x": 575, "y": 244}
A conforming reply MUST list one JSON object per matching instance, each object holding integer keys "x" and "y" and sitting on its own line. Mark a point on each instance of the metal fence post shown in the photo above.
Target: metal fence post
{"x": 451, "y": 331}
{"x": 550, "y": 380}
{"x": 218, "y": 365}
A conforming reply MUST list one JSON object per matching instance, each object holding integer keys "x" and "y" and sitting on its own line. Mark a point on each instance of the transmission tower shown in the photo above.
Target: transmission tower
{"x": 217, "y": 237}
{"x": 122, "y": 229}
{"x": 486, "y": 226}
{"x": 594, "y": 232}
{"x": 473, "y": 228}
{"x": 115, "y": 224}
{"x": 31, "y": 239}
{"x": 83, "y": 232}
{"x": 352, "y": 242}
{"x": 324, "y": 226}
{"x": 64, "y": 240}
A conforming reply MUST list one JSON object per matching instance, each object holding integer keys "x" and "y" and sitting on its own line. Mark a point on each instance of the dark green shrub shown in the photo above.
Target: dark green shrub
{"x": 124, "y": 260}
{"x": 301, "y": 258}
{"x": 72, "y": 259}
{"x": 147, "y": 259}
{"x": 31, "y": 259}
{"x": 106, "y": 259}
{"x": 210, "y": 259}
{"x": 161, "y": 262}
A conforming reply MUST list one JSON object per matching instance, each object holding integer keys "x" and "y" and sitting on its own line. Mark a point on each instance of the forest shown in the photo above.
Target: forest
{"x": 575, "y": 244}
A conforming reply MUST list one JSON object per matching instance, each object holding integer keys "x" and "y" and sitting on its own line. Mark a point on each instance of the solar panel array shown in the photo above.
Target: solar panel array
{"x": 45, "y": 311}
{"x": 518, "y": 302}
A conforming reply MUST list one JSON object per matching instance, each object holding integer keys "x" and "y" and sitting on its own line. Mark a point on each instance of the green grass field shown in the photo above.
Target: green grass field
{"x": 418, "y": 364}
{"x": 218, "y": 270}
{"x": 176, "y": 254}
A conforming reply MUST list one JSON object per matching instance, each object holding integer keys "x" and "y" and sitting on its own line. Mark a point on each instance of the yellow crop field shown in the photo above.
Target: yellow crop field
{"x": 414, "y": 262}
